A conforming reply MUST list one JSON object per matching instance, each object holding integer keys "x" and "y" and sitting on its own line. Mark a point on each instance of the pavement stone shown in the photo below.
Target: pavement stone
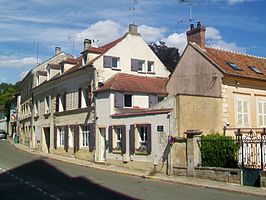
{"x": 159, "y": 177}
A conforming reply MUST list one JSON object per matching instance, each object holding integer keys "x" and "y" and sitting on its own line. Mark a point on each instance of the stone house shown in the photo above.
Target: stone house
{"x": 217, "y": 90}
{"x": 117, "y": 85}
{"x": 25, "y": 101}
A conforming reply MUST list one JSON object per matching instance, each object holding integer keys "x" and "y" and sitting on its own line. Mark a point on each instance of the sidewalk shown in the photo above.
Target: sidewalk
{"x": 160, "y": 177}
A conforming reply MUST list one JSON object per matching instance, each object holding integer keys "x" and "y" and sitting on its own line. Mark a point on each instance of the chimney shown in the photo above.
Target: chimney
{"x": 133, "y": 29}
{"x": 87, "y": 44}
{"x": 197, "y": 35}
{"x": 57, "y": 50}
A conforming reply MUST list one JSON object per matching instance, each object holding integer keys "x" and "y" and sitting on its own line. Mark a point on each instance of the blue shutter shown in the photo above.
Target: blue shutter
{"x": 118, "y": 100}
{"x": 91, "y": 136}
{"x": 124, "y": 140}
{"x": 153, "y": 100}
{"x": 110, "y": 138}
{"x": 149, "y": 144}
{"x": 132, "y": 139}
{"x": 55, "y": 137}
{"x": 107, "y": 61}
{"x": 134, "y": 65}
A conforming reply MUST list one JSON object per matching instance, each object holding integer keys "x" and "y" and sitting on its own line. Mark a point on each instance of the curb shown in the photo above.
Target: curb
{"x": 240, "y": 189}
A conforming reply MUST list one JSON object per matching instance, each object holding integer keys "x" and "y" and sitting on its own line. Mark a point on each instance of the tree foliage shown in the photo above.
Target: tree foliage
{"x": 7, "y": 92}
{"x": 168, "y": 55}
{"x": 218, "y": 151}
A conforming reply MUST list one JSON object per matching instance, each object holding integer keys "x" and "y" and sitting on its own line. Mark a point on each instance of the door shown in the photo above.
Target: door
{"x": 47, "y": 138}
{"x": 102, "y": 144}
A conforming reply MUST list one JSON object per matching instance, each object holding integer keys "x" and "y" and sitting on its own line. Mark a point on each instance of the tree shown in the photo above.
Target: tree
{"x": 168, "y": 55}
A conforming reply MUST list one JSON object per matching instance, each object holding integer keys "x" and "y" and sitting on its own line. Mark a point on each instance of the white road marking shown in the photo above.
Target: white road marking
{"x": 27, "y": 183}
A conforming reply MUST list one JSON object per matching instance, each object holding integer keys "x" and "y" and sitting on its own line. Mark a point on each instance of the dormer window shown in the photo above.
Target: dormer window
{"x": 234, "y": 66}
{"x": 62, "y": 69}
{"x": 255, "y": 69}
{"x": 48, "y": 73}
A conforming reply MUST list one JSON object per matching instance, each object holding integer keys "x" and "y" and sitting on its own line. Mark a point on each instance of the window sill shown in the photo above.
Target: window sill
{"x": 141, "y": 153}
{"x": 151, "y": 73}
{"x": 141, "y": 72}
{"x": 115, "y": 69}
{"x": 114, "y": 151}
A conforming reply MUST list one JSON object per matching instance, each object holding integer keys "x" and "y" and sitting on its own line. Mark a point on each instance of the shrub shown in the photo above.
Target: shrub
{"x": 218, "y": 151}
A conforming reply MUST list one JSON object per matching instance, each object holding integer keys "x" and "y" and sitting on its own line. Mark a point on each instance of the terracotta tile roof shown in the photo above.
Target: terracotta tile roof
{"x": 104, "y": 48}
{"x": 222, "y": 57}
{"x": 53, "y": 66}
{"x": 137, "y": 84}
{"x": 142, "y": 112}
{"x": 71, "y": 61}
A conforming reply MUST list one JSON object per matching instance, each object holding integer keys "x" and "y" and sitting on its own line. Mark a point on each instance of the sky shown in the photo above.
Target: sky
{"x": 31, "y": 29}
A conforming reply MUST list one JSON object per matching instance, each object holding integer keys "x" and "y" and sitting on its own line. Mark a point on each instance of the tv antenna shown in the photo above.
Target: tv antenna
{"x": 133, "y": 9}
{"x": 189, "y": 2}
{"x": 37, "y": 43}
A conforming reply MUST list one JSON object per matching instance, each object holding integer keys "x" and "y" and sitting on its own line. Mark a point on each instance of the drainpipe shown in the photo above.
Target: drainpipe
{"x": 95, "y": 113}
{"x": 170, "y": 153}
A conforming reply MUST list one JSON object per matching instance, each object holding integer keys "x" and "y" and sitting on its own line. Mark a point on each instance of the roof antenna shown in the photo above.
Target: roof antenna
{"x": 37, "y": 51}
{"x": 189, "y": 2}
{"x": 133, "y": 10}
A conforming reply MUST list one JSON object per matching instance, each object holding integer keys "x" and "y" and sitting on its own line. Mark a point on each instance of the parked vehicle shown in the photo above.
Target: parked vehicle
{"x": 3, "y": 135}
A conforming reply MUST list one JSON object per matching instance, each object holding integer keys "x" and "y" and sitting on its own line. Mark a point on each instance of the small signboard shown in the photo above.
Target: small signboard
{"x": 160, "y": 128}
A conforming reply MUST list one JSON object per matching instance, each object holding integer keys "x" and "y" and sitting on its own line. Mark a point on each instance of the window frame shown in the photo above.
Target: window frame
{"x": 61, "y": 136}
{"x": 117, "y": 138}
{"x": 85, "y": 134}
{"x": 124, "y": 101}
{"x": 142, "y": 144}
{"x": 237, "y": 113}
{"x": 263, "y": 114}
{"x": 117, "y": 62}
{"x": 152, "y": 67}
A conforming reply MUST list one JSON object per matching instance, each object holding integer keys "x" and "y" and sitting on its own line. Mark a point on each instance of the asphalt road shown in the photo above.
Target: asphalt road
{"x": 24, "y": 176}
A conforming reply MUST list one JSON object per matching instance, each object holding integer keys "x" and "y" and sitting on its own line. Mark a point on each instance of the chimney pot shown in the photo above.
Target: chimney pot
{"x": 57, "y": 50}
{"x": 198, "y": 24}
{"x": 133, "y": 29}
{"x": 191, "y": 26}
{"x": 87, "y": 44}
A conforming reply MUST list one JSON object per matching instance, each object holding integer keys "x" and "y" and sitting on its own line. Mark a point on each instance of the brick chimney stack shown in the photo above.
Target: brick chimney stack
{"x": 133, "y": 29}
{"x": 197, "y": 35}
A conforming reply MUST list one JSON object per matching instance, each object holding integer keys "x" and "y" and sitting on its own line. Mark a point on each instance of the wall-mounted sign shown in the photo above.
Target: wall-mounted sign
{"x": 159, "y": 128}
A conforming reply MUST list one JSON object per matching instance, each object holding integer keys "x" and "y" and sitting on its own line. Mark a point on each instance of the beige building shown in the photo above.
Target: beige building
{"x": 217, "y": 90}
{"x": 25, "y": 103}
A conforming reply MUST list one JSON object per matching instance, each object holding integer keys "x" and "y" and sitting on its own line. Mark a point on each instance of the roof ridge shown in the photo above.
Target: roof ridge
{"x": 235, "y": 52}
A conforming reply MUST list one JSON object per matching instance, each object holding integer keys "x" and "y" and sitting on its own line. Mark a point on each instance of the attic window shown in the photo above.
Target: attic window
{"x": 234, "y": 66}
{"x": 255, "y": 69}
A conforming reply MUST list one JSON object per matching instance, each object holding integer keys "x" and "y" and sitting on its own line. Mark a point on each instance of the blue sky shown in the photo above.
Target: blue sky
{"x": 237, "y": 25}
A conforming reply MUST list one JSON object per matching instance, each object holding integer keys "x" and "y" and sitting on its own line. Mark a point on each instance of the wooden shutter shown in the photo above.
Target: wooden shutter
{"x": 64, "y": 101}
{"x": 118, "y": 100}
{"x": 107, "y": 61}
{"x": 124, "y": 140}
{"x": 132, "y": 139}
{"x": 89, "y": 96}
{"x": 66, "y": 138}
{"x": 55, "y": 137}
{"x": 76, "y": 138}
{"x": 153, "y": 100}
{"x": 91, "y": 136}
{"x": 110, "y": 138}
{"x": 80, "y": 96}
{"x": 134, "y": 65}
{"x": 149, "y": 144}
{"x": 57, "y": 104}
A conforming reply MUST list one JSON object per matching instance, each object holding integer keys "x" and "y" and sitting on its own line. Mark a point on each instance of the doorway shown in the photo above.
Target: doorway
{"x": 102, "y": 146}
{"x": 47, "y": 138}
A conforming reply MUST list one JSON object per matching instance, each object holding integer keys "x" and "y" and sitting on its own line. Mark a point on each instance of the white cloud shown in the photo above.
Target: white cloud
{"x": 102, "y": 31}
{"x": 214, "y": 39}
{"x": 233, "y": 2}
{"x": 178, "y": 40}
{"x": 151, "y": 34}
{"x": 16, "y": 62}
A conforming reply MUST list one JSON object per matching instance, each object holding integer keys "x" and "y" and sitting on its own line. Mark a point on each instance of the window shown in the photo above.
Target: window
{"x": 255, "y": 69}
{"x": 111, "y": 62}
{"x": 117, "y": 138}
{"x": 127, "y": 100}
{"x": 142, "y": 139}
{"x": 48, "y": 73}
{"x": 61, "y": 103}
{"x": 37, "y": 108}
{"x": 242, "y": 113}
{"x": 234, "y": 66}
{"x": 85, "y": 97}
{"x": 47, "y": 103}
{"x": 115, "y": 62}
{"x": 61, "y": 138}
{"x": 85, "y": 135}
{"x": 150, "y": 67}
{"x": 261, "y": 113}
{"x": 141, "y": 65}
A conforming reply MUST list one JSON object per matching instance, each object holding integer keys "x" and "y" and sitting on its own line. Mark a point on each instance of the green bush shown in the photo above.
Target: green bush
{"x": 218, "y": 151}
